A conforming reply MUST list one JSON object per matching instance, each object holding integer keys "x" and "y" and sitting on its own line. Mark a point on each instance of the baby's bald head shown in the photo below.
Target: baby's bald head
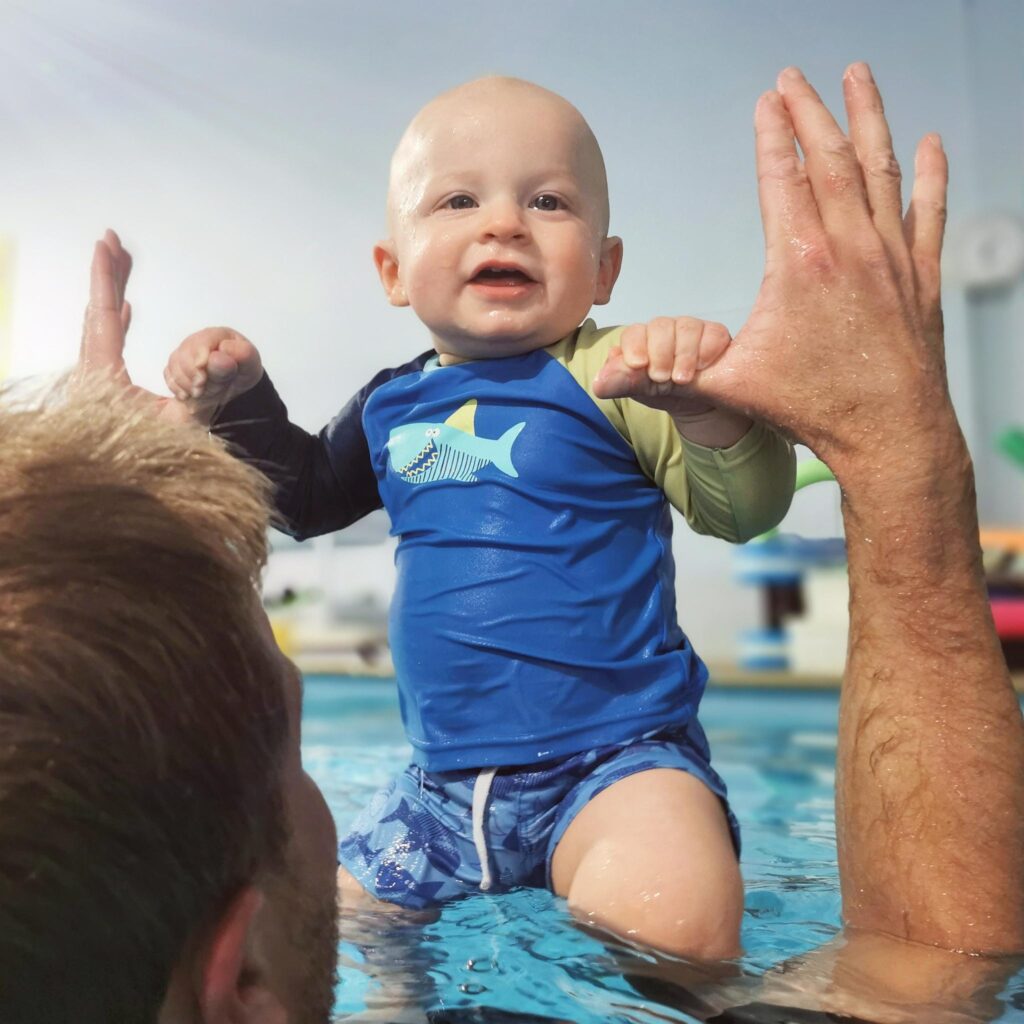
{"x": 498, "y": 220}
{"x": 526, "y": 113}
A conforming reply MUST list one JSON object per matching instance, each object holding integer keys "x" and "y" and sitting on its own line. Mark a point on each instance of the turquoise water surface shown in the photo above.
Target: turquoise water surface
{"x": 520, "y": 952}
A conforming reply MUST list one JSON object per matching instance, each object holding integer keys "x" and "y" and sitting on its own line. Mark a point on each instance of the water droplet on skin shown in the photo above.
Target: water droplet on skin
{"x": 472, "y": 989}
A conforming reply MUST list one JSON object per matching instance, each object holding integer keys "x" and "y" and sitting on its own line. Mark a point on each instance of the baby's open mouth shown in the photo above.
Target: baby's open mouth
{"x": 507, "y": 276}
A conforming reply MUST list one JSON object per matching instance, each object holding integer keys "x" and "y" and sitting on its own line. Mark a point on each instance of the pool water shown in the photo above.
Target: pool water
{"x": 520, "y": 951}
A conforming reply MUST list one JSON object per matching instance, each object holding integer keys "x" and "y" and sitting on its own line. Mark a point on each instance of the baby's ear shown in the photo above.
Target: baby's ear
{"x": 385, "y": 259}
{"x": 608, "y": 269}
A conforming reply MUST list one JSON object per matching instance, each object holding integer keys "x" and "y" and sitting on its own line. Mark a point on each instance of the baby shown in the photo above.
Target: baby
{"x": 547, "y": 690}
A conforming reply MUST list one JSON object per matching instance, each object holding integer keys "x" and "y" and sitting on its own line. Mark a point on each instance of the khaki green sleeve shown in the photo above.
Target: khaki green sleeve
{"x": 734, "y": 493}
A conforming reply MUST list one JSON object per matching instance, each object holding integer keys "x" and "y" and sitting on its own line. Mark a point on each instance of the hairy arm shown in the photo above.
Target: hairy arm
{"x": 843, "y": 351}
{"x": 930, "y": 787}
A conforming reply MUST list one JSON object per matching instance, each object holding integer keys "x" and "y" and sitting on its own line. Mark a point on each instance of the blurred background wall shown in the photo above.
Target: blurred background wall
{"x": 241, "y": 148}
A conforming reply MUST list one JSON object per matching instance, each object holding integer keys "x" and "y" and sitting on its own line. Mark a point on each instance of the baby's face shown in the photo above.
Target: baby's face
{"x": 498, "y": 211}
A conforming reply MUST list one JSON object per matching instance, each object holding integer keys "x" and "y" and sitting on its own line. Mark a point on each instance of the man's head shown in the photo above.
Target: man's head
{"x": 498, "y": 220}
{"x": 160, "y": 847}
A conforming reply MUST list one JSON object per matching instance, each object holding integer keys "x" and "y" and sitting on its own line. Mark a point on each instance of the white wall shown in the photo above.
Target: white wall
{"x": 242, "y": 147}
{"x": 994, "y": 44}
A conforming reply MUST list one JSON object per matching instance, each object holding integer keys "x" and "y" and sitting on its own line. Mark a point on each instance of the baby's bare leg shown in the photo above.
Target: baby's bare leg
{"x": 651, "y": 859}
{"x": 352, "y": 896}
{"x": 393, "y": 955}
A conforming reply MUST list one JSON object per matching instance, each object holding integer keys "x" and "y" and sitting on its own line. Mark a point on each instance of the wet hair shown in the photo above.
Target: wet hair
{"x": 142, "y": 718}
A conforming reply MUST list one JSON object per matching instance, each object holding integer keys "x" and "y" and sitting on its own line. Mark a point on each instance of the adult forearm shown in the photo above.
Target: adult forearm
{"x": 926, "y": 696}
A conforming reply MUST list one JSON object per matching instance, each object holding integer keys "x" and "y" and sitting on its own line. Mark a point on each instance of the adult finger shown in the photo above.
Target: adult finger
{"x": 829, "y": 156}
{"x": 925, "y": 222}
{"x": 222, "y": 367}
{"x": 122, "y": 262}
{"x": 714, "y": 340}
{"x": 617, "y": 379}
{"x": 239, "y": 348}
{"x": 102, "y": 331}
{"x": 789, "y": 212}
{"x": 869, "y": 132}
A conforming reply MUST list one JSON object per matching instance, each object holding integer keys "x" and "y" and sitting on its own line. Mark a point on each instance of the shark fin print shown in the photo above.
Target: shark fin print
{"x": 464, "y": 418}
{"x": 450, "y": 450}
{"x": 502, "y": 458}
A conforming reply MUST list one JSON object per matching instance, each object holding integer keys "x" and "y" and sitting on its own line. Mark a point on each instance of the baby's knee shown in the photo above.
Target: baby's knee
{"x": 686, "y": 925}
{"x": 704, "y": 934}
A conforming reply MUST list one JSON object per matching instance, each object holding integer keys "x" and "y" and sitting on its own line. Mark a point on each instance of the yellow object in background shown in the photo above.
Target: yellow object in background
{"x": 283, "y": 634}
{"x": 6, "y": 303}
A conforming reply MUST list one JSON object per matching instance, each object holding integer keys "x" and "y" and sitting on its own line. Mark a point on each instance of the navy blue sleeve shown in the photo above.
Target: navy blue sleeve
{"x": 322, "y": 482}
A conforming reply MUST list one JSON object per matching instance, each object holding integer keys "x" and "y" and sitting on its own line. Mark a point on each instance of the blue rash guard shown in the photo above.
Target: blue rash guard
{"x": 534, "y": 614}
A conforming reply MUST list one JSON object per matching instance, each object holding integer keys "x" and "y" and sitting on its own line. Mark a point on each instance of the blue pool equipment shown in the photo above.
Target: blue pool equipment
{"x": 763, "y": 650}
{"x": 776, "y": 562}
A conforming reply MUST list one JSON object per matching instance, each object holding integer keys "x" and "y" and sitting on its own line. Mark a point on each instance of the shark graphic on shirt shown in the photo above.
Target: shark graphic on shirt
{"x": 424, "y": 452}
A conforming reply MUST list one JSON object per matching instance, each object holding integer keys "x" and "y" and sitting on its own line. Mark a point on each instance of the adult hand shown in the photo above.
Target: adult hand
{"x": 107, "y": 318}
{"x": 843, "y": 348}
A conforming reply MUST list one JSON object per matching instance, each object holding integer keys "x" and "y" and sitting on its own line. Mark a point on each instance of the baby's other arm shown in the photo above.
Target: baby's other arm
{"x": 324, "y": 481}
{"x": 321, "y": 482}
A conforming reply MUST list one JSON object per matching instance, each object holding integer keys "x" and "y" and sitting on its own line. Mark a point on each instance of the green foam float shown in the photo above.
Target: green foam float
{"x": 1011, "y": 443}
{"x": 810, "y": 471}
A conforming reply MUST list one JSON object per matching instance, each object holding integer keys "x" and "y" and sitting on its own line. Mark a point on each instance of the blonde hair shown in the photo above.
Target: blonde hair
{"x": 142, "y": 720}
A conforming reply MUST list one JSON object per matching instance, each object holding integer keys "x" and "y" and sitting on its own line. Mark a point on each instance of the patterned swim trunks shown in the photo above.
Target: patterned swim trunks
{"x": 414, "y": 844}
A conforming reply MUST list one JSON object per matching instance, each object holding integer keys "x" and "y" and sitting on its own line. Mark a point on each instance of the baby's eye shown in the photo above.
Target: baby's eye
{"x": 460, "y": 202}
{"x": 546, "y": 201}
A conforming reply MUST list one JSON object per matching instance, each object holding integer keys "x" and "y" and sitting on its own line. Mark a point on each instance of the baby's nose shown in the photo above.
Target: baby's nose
{"x": 504, "y": 219}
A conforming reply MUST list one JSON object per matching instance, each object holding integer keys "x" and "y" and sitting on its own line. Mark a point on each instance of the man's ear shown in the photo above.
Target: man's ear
{"x": 230, "y": 986}
{"x": 608, "y": 269}
{"x": 385, "y": 258}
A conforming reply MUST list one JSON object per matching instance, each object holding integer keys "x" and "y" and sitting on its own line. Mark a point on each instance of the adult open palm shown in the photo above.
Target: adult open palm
{"x": 105, "y": 328}
{"x": 845, "y": 336}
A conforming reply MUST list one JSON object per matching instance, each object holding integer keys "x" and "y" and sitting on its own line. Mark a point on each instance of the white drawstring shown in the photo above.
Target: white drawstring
{"x": 481, "y": 790}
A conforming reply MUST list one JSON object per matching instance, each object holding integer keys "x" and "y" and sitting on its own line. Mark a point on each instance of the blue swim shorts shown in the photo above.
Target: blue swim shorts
{"x": 430, "y": 837}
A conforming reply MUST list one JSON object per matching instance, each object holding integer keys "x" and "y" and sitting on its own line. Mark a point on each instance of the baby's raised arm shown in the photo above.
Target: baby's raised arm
{"x": 211, "y": 367}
